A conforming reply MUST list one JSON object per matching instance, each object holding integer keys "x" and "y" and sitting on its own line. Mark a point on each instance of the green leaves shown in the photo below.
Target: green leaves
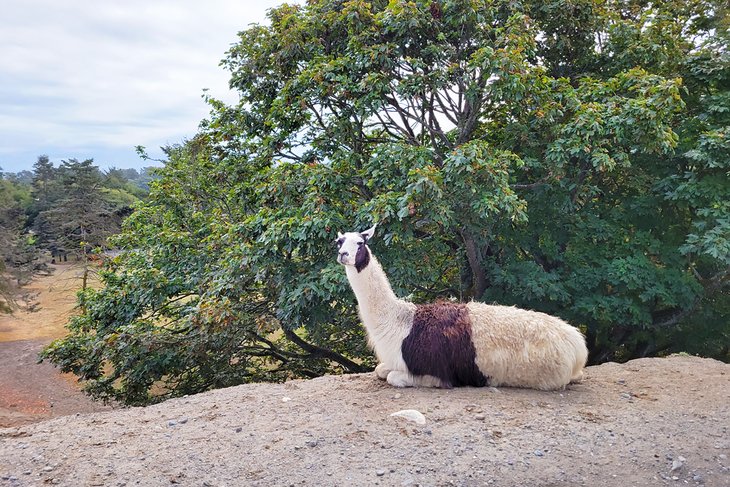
{"x": 568, "y": 157}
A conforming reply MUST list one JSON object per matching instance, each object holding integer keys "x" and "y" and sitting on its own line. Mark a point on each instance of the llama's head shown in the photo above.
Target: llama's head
{"x": 352, "y": 248}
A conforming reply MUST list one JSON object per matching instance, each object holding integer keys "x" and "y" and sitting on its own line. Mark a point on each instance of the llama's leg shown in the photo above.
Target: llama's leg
{"x": 429, "y": 381}
{"x": 577, "y": 378}
{"x": 382, "y": 371}
{"x": 398, "y": 378}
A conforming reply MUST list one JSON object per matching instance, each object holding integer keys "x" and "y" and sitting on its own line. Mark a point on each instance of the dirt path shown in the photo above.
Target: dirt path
{"x": 650, "y": 422}
{"x": 31, "y": 392}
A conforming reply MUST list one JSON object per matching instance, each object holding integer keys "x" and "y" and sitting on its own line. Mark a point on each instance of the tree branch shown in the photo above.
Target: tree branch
{"x": 319, "y": 352}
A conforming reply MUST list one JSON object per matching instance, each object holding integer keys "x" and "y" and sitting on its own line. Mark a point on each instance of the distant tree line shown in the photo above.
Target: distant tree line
{"x": 68, "y": 210}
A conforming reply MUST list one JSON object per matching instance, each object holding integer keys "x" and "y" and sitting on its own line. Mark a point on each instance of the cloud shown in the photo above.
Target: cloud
{"x": 80, "y": 74}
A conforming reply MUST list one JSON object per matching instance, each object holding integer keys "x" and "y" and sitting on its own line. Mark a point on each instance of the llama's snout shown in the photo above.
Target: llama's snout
{"x": 342, "y": 257}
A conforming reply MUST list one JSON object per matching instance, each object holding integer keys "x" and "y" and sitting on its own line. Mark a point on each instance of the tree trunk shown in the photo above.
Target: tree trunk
{"x": 474, "y": 256}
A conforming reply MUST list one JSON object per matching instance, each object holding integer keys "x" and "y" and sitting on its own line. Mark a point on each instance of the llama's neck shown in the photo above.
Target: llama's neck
{"x": 375, "y": 297}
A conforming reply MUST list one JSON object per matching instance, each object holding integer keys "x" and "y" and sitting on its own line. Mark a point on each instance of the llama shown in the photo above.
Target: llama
{"x": 449, "y": 344}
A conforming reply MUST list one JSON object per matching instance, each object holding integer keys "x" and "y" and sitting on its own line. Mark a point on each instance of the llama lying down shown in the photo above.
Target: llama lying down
{"x": 453, "y": 344}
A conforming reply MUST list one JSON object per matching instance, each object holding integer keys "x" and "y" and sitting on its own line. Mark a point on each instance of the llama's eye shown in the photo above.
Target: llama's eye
{"x": 359, "y": 244}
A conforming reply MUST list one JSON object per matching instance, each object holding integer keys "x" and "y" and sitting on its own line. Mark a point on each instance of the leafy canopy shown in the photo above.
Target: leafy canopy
{"x": 565, "y": 156}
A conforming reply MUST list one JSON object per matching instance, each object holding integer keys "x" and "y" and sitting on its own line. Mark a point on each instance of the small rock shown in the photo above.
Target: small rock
{"x": 239, "y": 429}
{"x": 697, "y": 478}
{"x": 285, "y": 399}
{"x": 677, "y": 463}
{"x": 626, "y": 395}
{"x": 411, "y": 415}
{"x": 397, "y": 396}
{"x": 27, "y": 472}
{"x": 48, "y": 469}
{"x": 380, "y": 472}
{"x": 312, "y": 443}
{"x": 172, "y": 422}
{"x": 494, "y": 389}
{"x": 183, "y": 420}
{"x": 621, "y": 381}
{"x": 480, "y": 417}
{"x": 538, "y": 453}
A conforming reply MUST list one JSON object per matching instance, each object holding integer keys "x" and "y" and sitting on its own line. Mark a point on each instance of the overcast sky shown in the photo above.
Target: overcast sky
{"x": 83, "y": 78}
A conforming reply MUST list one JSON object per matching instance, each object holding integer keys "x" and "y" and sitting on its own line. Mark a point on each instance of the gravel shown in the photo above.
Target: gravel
{"x": 338, "y": 430}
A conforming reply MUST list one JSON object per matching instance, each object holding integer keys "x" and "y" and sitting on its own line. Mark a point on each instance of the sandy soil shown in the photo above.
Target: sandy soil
{"x": 645, "y": 423}
{"x": 649, "y": 422}
{"x": 31, "y": 392}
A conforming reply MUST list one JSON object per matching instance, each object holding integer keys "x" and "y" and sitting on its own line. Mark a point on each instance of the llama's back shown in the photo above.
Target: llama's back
{"x": 521, "y": 348}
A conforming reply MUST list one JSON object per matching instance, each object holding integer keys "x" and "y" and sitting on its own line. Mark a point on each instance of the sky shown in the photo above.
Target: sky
{"x": 93, "y": 79}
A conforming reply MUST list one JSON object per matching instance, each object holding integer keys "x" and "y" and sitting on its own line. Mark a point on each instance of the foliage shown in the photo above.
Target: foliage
{"x": 77, "y": 207}
{"x": 14, "y": 255}
{"x": 565, "y": 156}
{"x": 72, "y": 208}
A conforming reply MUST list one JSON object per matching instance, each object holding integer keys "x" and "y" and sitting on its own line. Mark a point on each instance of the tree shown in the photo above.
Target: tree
{"x": 18, "y": 259}
{"x": 568, "y": 157}
{"x": 79, "y": 220}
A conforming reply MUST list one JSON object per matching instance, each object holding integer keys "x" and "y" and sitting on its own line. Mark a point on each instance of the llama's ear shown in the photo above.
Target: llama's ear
{"x": 368, "y": 234}
{"x": 340, "y": 235}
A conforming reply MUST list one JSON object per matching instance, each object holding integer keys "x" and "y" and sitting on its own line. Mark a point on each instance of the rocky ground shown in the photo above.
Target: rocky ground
{"x": 649, "y": 422}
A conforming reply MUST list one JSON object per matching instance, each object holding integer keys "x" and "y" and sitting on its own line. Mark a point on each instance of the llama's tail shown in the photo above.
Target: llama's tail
{"x": 581, "y": 357}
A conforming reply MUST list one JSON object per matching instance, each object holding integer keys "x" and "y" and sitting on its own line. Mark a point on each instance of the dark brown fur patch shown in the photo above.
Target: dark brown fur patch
{"x": 440, "y": 344}
{"x": 362, "y": 258}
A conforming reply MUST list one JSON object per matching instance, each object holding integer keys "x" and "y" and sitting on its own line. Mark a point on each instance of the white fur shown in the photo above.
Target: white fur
{"x": 514, "y": 347}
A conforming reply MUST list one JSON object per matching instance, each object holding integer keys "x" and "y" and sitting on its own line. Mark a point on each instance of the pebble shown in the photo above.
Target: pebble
{"x": 48, "y": 469}
{"x": 538, "y": 453}
{"x": 677, "y": 463}
{"x": 312, "y": 443}
{"x": 480, "y": 417}
{"x": 380, "y": 472}
{"x": 411, "y": 415}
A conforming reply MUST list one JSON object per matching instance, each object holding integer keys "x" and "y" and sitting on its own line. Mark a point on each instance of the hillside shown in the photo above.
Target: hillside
{"x": 31, "y": 392}
{"x": 647, "y": 422}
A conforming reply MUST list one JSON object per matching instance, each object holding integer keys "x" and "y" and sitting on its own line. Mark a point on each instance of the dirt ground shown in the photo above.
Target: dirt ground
{"x": 649, "y": 422}
{"x": 31, "y": 392}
